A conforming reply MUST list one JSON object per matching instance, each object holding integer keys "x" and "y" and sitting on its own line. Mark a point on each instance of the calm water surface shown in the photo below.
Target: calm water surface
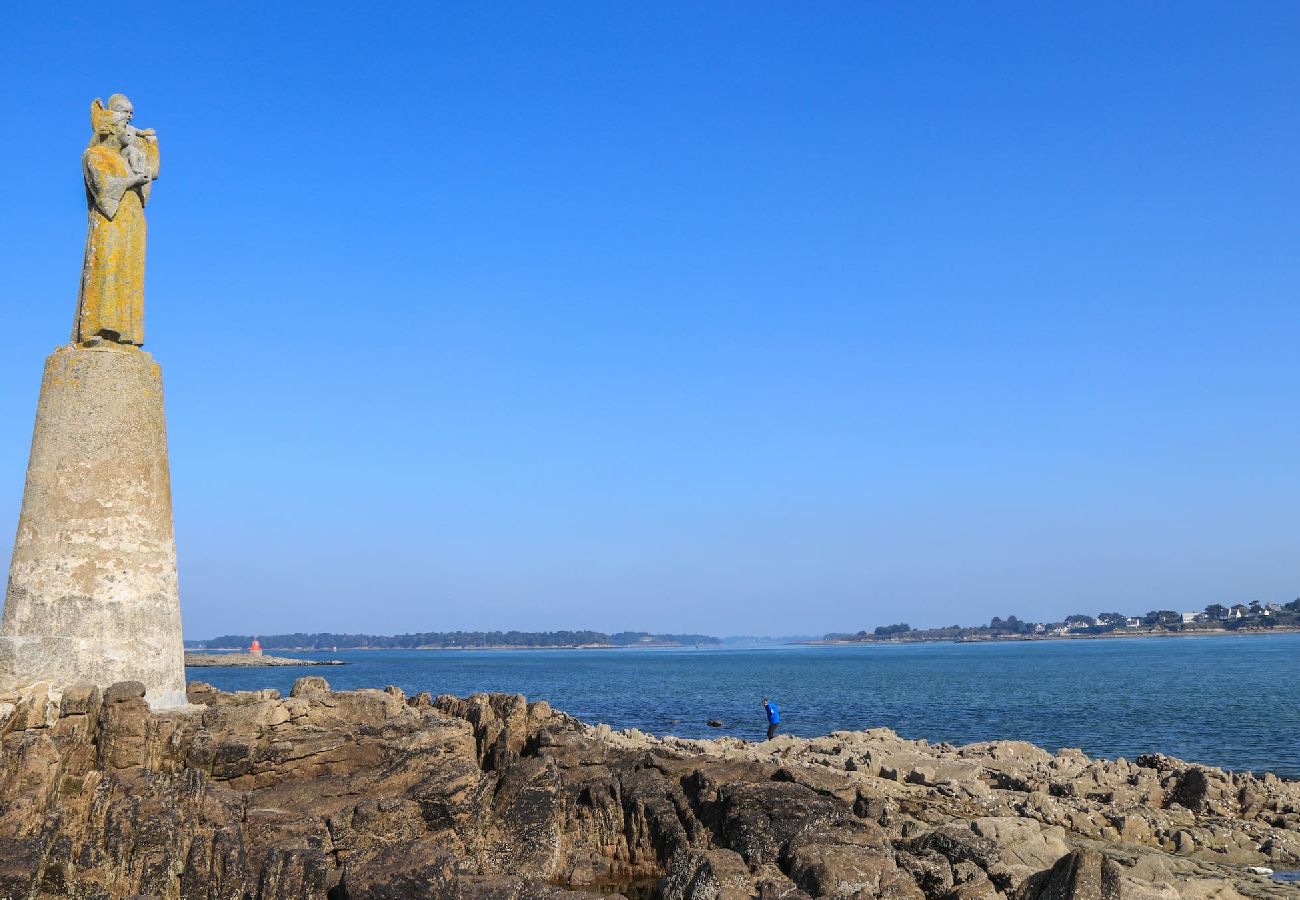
{"x": 1225, "y": 701}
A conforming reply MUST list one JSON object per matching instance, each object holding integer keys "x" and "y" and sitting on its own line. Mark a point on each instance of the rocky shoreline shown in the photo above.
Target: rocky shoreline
{"x": 374, "y": 794}
{"x": 234, "y": 660}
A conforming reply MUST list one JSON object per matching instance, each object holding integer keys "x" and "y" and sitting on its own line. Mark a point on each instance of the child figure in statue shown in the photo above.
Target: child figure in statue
{"x": 135, "y": 155}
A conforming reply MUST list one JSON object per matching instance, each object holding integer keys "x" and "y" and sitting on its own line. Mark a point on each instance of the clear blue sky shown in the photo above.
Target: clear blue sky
{"x": 733, "y": 317}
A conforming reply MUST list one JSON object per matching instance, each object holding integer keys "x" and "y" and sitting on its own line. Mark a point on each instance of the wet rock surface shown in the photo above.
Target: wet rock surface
{"x": 374, "y": 794}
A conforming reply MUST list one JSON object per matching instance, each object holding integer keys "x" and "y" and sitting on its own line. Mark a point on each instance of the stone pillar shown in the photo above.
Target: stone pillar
{"x": 92, "y": 588}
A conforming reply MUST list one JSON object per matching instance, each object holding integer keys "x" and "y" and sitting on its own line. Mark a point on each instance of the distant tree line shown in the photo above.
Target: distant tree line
{"x": 889, "y": 630}
{"x": 451, "y": 639}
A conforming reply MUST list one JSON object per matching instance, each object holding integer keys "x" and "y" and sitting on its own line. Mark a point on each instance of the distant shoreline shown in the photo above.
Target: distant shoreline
{"x": 1125, "y": 634}
{"x": 486, "y": 647}
{"x": 1018, "y": 638}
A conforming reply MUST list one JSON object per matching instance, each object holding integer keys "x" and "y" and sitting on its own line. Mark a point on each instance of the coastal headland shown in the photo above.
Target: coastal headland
{"x": 372, "y": 793}
{"x": 921, "y": 637}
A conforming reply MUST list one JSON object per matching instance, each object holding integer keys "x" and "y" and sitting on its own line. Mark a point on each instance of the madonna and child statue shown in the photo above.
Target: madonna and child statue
{"x": 92, "y": 595}
{"x": 120, "y": 166}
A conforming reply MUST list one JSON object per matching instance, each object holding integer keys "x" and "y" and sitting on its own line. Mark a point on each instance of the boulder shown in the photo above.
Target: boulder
{"x": 81, "y": 700}
{"x": 310, "y": 687}
{"x": 1192, "y": 789}
{"x": 123, "y": 724}
{"x": 124, "y": 692}
{"x": 957, "y": 844}
{"x": 1023, "y": 846}
{"x": 707, "y": 875}
{"x": 1080, "y": 875}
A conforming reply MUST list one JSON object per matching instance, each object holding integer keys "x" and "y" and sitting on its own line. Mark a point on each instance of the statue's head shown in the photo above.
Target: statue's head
{"x": 121, "y": 107}
{"x": 107, "y": 122}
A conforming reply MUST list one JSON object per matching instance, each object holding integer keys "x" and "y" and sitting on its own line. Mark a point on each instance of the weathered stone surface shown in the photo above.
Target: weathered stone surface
{"x": 370, "y": 794}
{"x": 92, "y": 593}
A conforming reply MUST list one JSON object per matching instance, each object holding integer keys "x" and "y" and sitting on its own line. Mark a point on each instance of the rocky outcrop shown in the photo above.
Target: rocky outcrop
{"x": 374, "y": 794}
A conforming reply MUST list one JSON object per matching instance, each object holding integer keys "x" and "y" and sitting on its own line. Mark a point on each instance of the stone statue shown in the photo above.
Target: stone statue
{"x": 93, "y": 596}
{"x": 119, "y": 167}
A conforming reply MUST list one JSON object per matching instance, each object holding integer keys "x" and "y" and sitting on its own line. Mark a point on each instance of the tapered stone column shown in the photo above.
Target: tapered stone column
{"x": 92, "y": 591}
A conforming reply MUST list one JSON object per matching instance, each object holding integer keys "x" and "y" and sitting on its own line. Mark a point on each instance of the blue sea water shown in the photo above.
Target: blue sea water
{"x": 1228, "y": 701}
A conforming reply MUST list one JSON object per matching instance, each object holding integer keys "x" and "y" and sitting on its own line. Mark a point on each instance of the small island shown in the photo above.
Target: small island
{"x": 233, "y": 660}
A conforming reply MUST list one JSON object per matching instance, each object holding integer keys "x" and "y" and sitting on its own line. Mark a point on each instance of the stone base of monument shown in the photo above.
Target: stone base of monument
{"x": 92, "y": 591}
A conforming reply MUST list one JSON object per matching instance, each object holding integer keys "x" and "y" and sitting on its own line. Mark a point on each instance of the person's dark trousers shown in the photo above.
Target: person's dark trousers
{"x": 771, "y": 730}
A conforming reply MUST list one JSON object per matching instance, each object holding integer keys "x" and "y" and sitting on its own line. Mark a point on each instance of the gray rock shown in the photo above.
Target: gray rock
{"x": 310, "y": 687}
{"x": 122, "y": 691}
{"x": 81, "y": 700}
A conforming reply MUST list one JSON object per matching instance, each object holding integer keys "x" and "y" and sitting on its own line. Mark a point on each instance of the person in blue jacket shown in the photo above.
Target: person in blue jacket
{"x": 773, "y": 717}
